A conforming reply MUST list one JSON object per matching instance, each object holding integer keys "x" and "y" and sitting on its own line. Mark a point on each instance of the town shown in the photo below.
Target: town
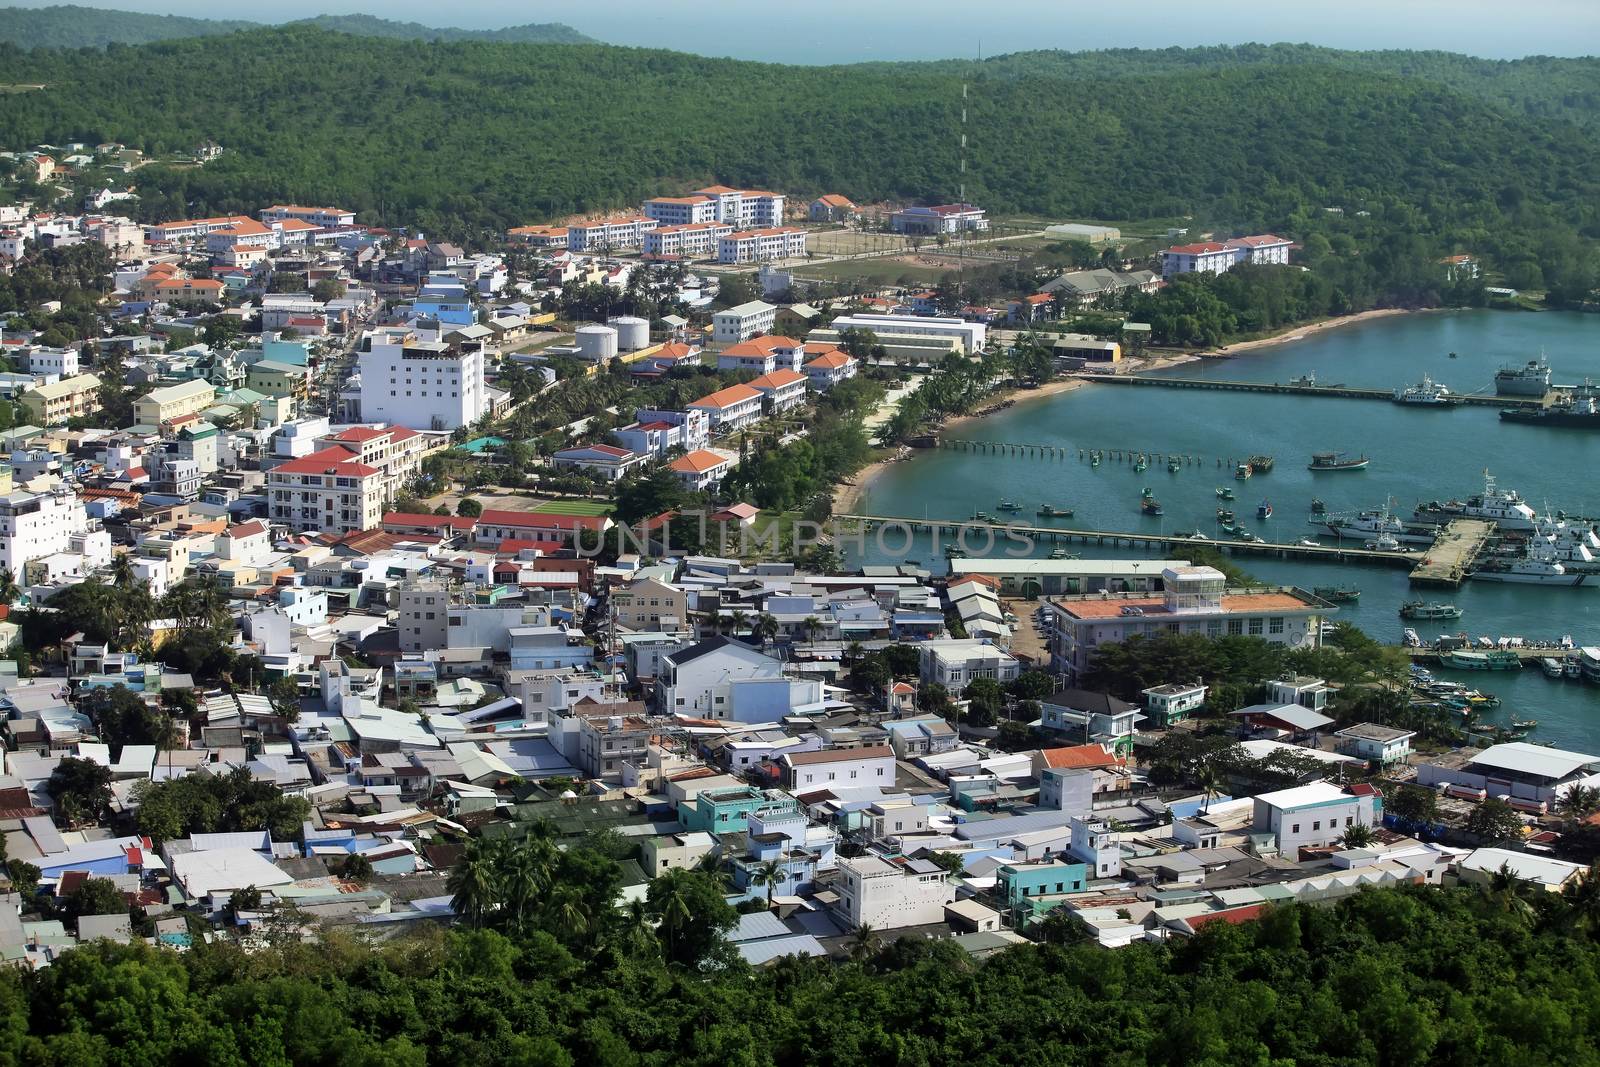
{"x": 342, "y": 567}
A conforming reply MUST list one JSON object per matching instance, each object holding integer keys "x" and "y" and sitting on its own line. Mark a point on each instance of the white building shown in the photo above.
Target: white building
{"x": 661, "y": 430}
{"x": 605, "y": 461}
{"x": 697, "y": 240}
{"x": 1375, "y": 743}
{"x": 35, "y": 525}
{"x": 627, "y": 231}
{"x": 730, "y": 408}
{"x": 697, "y": 680}
{"x": 683, "y": 210}
{"x": 762, "y": 355}
{"x": 1313, "y": 815}
{"x": 887, "y": 896}
{"x": 700, "y": 469}
{"x": 1214, "y": 257}
{"x": 969, "y": 335}
{"x": 1264, "y": 248}
{"x": 955, "y": 662}
{"x": 330, "y": 491}
{"x": 61, "y": 362}
{"x": 424, "y": 616}
{"x": 326, "y": 217}
{"x": 742, "y": 322}
{"x": 783, "y": 388}
{"x": 829, "y": 369}
{"x": 745, "y": 208}
{"x": 761, "y": 246}
{"x": 424, "y": 385}
{"x": 842, "y": 767}
{"x": 395, "y": 450}
{"x": 941, "y": 219}
{"x": 1518, "y": 770}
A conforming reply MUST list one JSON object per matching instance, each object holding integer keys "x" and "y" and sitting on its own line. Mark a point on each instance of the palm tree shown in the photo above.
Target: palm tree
{"x": 769, "y": 874}
{"x": 524, "y": 875}
{"x": 811, "y": 625}
{"x": 1583, "y": 899}
{"x": 1580, "y": 802}
{"x": 853, "y": 652}
{"x": 9, "y": 589}
{"x": 767, "y": 627}
{"x": 738, "y": 620}
{"x": 1358, "y": 835}
{"x": 474, "y": 883}
{"x": 1209, "y": 781}
{"x": 164, "y": 733}
{"x": 1504, "y": 891}
{"x": 638, "y": 932}
{"x": 673, "y": 906}
{"x": 569, "y": 911}
{"x": 861, "y": 942}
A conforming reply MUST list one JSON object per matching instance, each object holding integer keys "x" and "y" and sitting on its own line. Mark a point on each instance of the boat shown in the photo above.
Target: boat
{"x": 1503, "y": 507}
{"x": 1261, "y": 464}
{"x": 1374, "y": 523}
{"x": 1094, "y": 459}
{"x": 1495, "y": 660}
{"x": 1383, "y": 543}
{"x": 1572, "y": 669}
{"x": 1008, "y": 505}
{"x": 1224, "y": 493}
{"x": 1552, "y": 667}
{"x": 1337, "y": 461}
{"x": 1150, "y": 506}
{"x": 1338, "y": 594}
{"x": 1538, "y": 566}
{"x": 1243, "y": 471}
{"x": 1264, "y": 510}
{"x": 1318, "y": 507}
{"x": 1579, "y": 411}
{"x": 1173, "y": 466}
{"x": 1530, "y": 379}
{"x": 1224, "y": 515}
{"x": 1050, "y": 511}
{"x": 1427, "y": 392}
{"x": 1307, "y": 542}
{"x": 1246, "y": 535}
{"x": 1141, "y": 465}
{"x": 1147, "y": 492}
{"x": 980, "y": 516}
{"x": 1410, "y": 639}
{"x": 1417, "y": 609}
{"x": 1304, "y": 379}
{"x": 1231, "y": 529}
{"x": 1061, "y": 553}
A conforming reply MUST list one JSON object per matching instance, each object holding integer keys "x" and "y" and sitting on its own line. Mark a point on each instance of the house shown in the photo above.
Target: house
{"x": 1374, "y": 743}
{"x": 607, "y": 462}
{"x": 805, "y": 771}
{"x": 1291, "y": 721}
{"x": 1071, "y": 777}
{"x": 698, "y": 680}
{"x": 1086, "y": 286}
{"x": 700, "y": 469}
{"x": 1171, "y": 704}
{"x": 495, "y": 526}
{"x": 796, "y": 319}
{"x": 731, "y": 408}
{"x": 649, "y": 604}
{"x": 761, "y": 355}
{"x": 876, "y": 893}
{"x": 742, "y": 322}
{"x": 1315, "y": 815}
{"x": 1460, "y": 268}
{"x": 954, "y": 663}
{"x": 784, "y": 389}
{"x": 1480, "y": 866}
{"x": 829, "y": 369}
{"x": 1091, "y": 717}
{"x": 1031, "y": 890}
{"x": 832, "y": 207}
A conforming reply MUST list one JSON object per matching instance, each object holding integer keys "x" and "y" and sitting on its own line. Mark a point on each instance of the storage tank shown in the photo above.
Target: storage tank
{"x": 596, "y": 343}
{"x": 633, "y": 333}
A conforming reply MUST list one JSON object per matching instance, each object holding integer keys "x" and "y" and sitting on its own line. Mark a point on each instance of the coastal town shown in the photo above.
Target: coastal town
{"x": 345, "y": 568}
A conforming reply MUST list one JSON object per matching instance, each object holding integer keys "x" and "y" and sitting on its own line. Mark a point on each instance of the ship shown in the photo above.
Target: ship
{"x": 1050, "y": 511}
{"x": 1304, "y": 380}
{"x": 1416, "y": 609}
{"x": 1224, "y": 493}
{"x": 1150, "y": 506}
{"x": 1008, "y": 505}
{"x": 1493, "y": 660}
{"x": 1264, "y": 510}
{"x": 1173, "y": 466}
{"x": 1337, "y": 461}
{"x": 1426, "y": 392}
{"x": 1552, "y": 667}
{"x": 1338, "y": 594}
{"x": 1503, "y": 507}
{"x": 1530, "y": 379}
{"x": 1318, "y": 507}
{"x": 1538, "y": 567}
{"x": 1243, "y": 471}
{"x": 1224, "y": 515}
{"x": 1580, "y": 411}
{"x": 1374, "y": 523}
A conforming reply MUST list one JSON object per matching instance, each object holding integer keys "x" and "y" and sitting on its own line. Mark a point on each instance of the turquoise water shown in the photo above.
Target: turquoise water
{"x": 1416, "y": 454}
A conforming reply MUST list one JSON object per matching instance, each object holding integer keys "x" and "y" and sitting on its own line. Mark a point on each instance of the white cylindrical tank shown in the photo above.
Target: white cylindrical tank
{"x": 633, "y": 333}
{"x": 597, "y": 343}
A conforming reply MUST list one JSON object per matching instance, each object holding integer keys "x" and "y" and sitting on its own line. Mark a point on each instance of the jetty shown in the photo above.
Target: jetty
{"x": 1340, "y": 392}
{"x": 1452, "y": 554}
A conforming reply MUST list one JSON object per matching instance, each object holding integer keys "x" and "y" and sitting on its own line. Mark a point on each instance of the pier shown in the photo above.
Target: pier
{"x": 1524, "y": 653}
{"x": 1453, "y": 553}
{"x": 1342, "y": 392}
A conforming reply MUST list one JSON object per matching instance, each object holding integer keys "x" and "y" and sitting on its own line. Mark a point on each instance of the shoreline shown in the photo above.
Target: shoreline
{"x": 1290, "y": 334}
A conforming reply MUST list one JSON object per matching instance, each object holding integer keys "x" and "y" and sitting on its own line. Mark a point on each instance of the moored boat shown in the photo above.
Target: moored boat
{"x": 1552, "y": 667}
{"x": 1243, "y": 471}
{"x": 1264, "y": 510}
{"x": 1050, "y": 511}
{"x": 1417, "y": 609}
{"x": 1491, "y": 660}
{"x": 1338, "y": 594}
{"x": 1427, "y": 392}
{"x": 1008, "y": 505}
{"x": 1318, "y": 507}
{"x": 1337, "y": 461}
{"x": 1150, "y": 506}
{"x": 1530, "y": 379}
{"x": 1224, "y": 493}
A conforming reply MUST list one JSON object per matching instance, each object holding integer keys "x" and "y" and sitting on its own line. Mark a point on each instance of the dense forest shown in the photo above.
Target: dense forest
{"x": 466, "y": 138}
{"x": 1392, "y": 977}
{"x": 72, "y": 26}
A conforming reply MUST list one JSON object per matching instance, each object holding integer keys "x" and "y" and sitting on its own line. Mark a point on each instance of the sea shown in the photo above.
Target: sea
{"x": 1417, "y": 455}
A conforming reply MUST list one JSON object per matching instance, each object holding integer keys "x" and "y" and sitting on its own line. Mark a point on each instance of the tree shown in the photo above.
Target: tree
{"x": 96, "y": 896}
{"x": 1357, "y": 835}
{"x": 474, "y": 883}
{"x": 9, "y": 590}
{"x": 862, "y": 942}
{"x": 691, "y": 914}
{"x": 1413, "y": 804}
{"x": 356, "y": 868}
{"x": 246, "y": 899}
{"x": 1032, "y": 685}
{"x": 985, "y": 699}
{"x": 770, "y": 873}
{"x": 81, "y": 790}
{"x": 1579, "y": 802}
{"x": 950, "y": 861}
{"x": 469, "y": 507}
{"x": 767, "y": 627}
{"x": 284, "y": 693}
{"x": 1495, "y": 821}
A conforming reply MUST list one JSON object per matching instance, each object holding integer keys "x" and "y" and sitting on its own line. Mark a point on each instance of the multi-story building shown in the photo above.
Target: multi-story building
{"x": 682, "y": 210}
{"x": 278, "y": 379}
{"x": 956, "y": 662}
{"x": 625, "y": 232}
{"x": 1219, "y": 257}
{"x": 327, "y": 217}
{"x": 1194, "y": 600}
{"x": 188, "y": 229}
{"x": 329, "y": 491}
{"x": 701, "y": 470}
{"x": 698, "y": 680}
{"x": 424, "y": 615}
{"x": 55, "y": 402}
{"x": 887, "y": 896}
{"x": 173, "y": 402}
{"x": 538, "y": 236}
{"x": 1266, "y": 248}
{"x": 740, "y": 323}
{"x": 829, "y": 369}
{"x": 968, "y": 336}
{"x": 940, "y": 219}
{"x": 745, "y": 208}
{"x": 495, "y": 527}
{"x": 423, "y": 385}
{"x": 842, "y": 767}
{"x": 395, "y": 450}
{"x": 61, "y": 362}
{"x": 605, "y": 461}
{"x": 832, "y": 208}
{"x": 1315, "y": 815}
{"x": 246, "y": 235}
{"x": 783, "y": 388}
{"x": 730, "y": 408}
{"x": 649, "y": 605}
{"x": 694, "y": 240}
{"x": 34, "y": 525}
{"x": 761, "y": 355}
{"x": 694, "y": 427}
{"x": 761, "y": 246}
{"x": 608, "y": 737}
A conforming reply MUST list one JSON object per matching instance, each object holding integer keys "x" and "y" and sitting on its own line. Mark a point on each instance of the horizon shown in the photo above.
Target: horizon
{"x": 1555, "y": 28}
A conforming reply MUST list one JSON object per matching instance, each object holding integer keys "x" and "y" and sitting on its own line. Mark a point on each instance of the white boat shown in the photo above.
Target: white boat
{"x": 1538, "y": 567}
{"x": 1503, "y": 507}
{"x": 1374, "y": 524}
{"x": 1426, "y": 392}
{"x": 1570, "y": 542}
{"x": 1552, "y": 667}
{"x": 1384, "y": 543}
{"x": 1411, "y": 638}
{"x": 1531, "y": 379}
{"x": 1307, "y": 542}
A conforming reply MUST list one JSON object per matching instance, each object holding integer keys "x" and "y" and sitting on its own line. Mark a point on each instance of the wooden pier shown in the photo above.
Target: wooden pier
{"x": 1339, "y": 392}
{"x": 1453, "y": 553}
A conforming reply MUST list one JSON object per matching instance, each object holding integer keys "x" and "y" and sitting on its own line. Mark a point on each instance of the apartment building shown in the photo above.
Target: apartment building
{"x": 683, "y": 210}
{"x": 649, "y": 605}
{"x": 624, "y": 232}
{"x": 424, "y": 615}
{"x": 422, "y": 385}
{"x": 329, "y": 491}
{"x": 694, "y": 427}
{"x": 783, "y": 388}
{"x": 745, "y": 208}
{"x": 742, "y": 322}
{"x": 730, "y": 408}
{"x": 762, "y": 355}
{"x": 695, "y": 240}
{"x": 326, "y": 217}
{"x": 55, "y": 402}
{"x": 538, "y": 236}
{"x": 173, "y": 402}
{"x": 876, "y": 893}
{"x": 762, "y": 246}
{"x": 188, "y": 229}
{"x": 396, "y": 451}
{"x": 35, "y": 525}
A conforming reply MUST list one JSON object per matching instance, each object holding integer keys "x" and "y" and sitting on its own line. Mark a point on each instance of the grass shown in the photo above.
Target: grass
{"x": 880, "y": 271}
{"x": 589, "y": 508}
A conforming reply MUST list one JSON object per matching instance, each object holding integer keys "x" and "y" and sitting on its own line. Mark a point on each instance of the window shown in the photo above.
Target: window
{"x": 1214, "y": 628}
{"x": 1255, "y": 627}
{"x": 1295, "y": 828}
{"x": 1348, "y": 819}
{"x": 1275, "y": 625}
{"x": 1235, "y": 627}
{"x": 1317, "y": 825}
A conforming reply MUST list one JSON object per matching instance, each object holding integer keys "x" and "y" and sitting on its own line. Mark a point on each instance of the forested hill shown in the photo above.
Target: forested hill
{"x": 462, "y": 136}
{"x": 71, "y": 26}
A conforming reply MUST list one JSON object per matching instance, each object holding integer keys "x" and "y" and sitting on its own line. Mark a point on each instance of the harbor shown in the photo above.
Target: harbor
{"x": 1336, "y": 392}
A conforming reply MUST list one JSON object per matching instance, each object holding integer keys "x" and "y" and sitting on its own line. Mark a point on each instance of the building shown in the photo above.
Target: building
{"x": 189, "y": 229}
{"x": 1193, "y": 600}
{"x": 968, "y": 336}
{"x": 424, "y": 385}
{"x": 60, "y": 362}
{"x": 1171, "y": 704}
{"x": 173, "y": 402}
{"x": 941, "y": 219}
{"x": 955, "y": 663}
{"x": 742, "y": 322}
{"x": 328, "y": 491}
{"x": 1315, "y": 815}
{"x": 697, "y": 240}
{"x": 1219, "y": 257}
{"x": 329, "y": 218}
{"x": 1071, "y": 777}
{"x": 1264, "y": 249}
{"x": 698, "y": 680}
{"x": 745, "y": 208}
{"x": 701, "y": 470}
{"x": 1031, "y": 890}
{"x": 729, "y": 409}
{"x": 278, "y": 379}
{"x": 1375, "y": 743}
{"x": 1480, "y": 866}
{"x": 648, "y": 604}
{"x": 553, "y": 237}
{"x": 829, "y": 369}
{"x": 683, "y": 210}
{"x": 832, "y": 208}
{"x": 627, "y": 231}
{"x": 693, "y": 427}
{"x": 55, "y": 402}
{"x": 762, "y": 355}
{"x": 1078, "y": 346}
{"x": 838, "y": 767}
{"x": 35, "y": 525}
{"x": 1461, "y": 268}
{"x": 607, "y": 462}
{"x": 1087, "y": 232}
{"x": 495, "y": 526}
{"x": 607, "y": 739}
{"x": 1517, "y": 770}
{"x": 423, "y": 621}
{"x": 1092, "y": 717}
{"x": 783, "y": 388}
{"x": 761, "y": 246}
{"x": 887, "y": 896}
{"x": 395, "y": 450}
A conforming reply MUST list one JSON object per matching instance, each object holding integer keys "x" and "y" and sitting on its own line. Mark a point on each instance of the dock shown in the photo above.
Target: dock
{"x": 1525, "y": 654}
{"x": 1338, "y": 392}
{"x": 1453, "y": 553}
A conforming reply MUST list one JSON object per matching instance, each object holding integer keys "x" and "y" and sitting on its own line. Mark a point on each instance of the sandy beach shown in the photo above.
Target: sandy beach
{"x": 1300, "y": 333}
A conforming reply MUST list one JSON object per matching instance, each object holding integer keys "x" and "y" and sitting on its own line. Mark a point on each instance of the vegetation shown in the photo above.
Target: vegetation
{"x": 205, "y": 803}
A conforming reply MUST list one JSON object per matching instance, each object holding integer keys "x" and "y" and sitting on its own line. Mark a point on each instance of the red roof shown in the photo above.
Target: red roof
{"x": 1079, "y": 756}
{"x": 1197, "y": 249}
{"x": 1260, "y": 240}
{"x": 1243, "y": 914}
{"x": 777, "y": 379}
{"x": 761, "y": 346}
{"x": 727, "y": 398}
{"x": 423, "y": 519}
{"x": 697, "y": 462}
{"x": 340, "y": 461}
{"x": 830, "y": 361}
{"x": 517, "y": 544}
{"x": 358, "y": 433}
{"x": 247, "y": 529}
{"x": 538, "y": 520}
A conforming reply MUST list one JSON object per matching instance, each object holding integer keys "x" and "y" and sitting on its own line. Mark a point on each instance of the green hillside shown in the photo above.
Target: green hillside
{"x": 72, "y": 26}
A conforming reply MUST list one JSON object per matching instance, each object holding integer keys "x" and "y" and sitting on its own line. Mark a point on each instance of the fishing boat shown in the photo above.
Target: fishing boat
{"x": 1008, "y": 505}
{"x": 1243, "y": 471}
{"x": 1264, "y": 510}
{"x": 1261, "y": 464}
{"x": 1173, "y": 466}
{"x": 1141, "y": 465}
{"x": 1579, "y": 411}
{"x": 1224, "y": 493}
{"x": 1231, "y": 529}
{"x": 1307, "y": 542}
{"x": 1426, "y": 393}
{"x": 1338, "y": 594}
{"x": 954, "y": 551}
{"x": 1050, "y": 511}
{"x": 1094, "y": 459}
{"x": 1246, "y": 535}
{"x": 980, "y": 516}
{"x": 1318, "y": 507}
{"x": 1061, "y": 553}
{"x": 1337, "y": 461}
{"x": 1410, "y": 639}
{"x": 1150, "y": 506}
{"x": 1417, "y": 609}
{"x": 1552, "y": 667}
{"x": 1491, "y": 660}
{"x": 1224, "y": 515}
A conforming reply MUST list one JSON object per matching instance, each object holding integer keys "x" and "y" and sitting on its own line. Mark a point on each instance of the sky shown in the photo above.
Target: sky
{"x": 842, "y": 31}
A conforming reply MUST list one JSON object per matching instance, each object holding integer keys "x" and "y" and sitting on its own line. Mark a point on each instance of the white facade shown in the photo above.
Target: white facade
{"x": 745, "y": 208}
{"x": 33, "y": 525}
{"x": 760, "y": 246}
{"x": 698, "y": 680}
{"x": 805, "y": 771}
{"x": 696, "y": 240}
{"x": 628, "y": 232}
{"x": 1311, "y": 815}
{"x": 421, "y": 385}
{"x": 327, "y": 492}
{"x": 742, "y": 322}
{"x": 682, "y": 210}
{"x": 970, "y": 335}
{"x": 326, "y": 217}
{"x": 1206, "y": 258}
{"x": 956, "y": 662}
{"x": 885, "y": 896}
{"x": 61, "y": 362}
{"x": 424, "y": 618}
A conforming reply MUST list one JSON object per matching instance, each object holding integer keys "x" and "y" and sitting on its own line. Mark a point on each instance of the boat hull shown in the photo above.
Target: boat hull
{"x": 1561, "y": 419}
{"x": 1565, "y": 581}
